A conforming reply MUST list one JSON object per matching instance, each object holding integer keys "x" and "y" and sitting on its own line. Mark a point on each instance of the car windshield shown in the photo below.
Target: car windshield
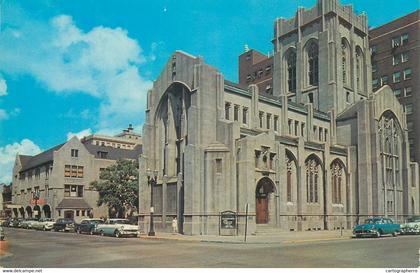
{"x": 414, "y": 219}
{"x": 96, "y": 221}
{"x": 122, "y": 221}
{"x": 372, "y": 221}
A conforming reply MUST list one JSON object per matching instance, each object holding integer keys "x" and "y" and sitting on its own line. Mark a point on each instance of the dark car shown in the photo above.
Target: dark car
{"x": 88, "y": 226}
{"x": 6, "y": 223}
{"x": 17, "y": 222}
{"x": 64, "y": 224}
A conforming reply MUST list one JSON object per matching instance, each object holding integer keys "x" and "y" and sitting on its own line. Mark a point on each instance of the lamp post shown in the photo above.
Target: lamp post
{"x": 151, "y": 180}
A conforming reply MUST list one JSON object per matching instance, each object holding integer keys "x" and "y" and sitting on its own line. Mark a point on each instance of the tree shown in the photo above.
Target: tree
{"x": 118, "y": 187}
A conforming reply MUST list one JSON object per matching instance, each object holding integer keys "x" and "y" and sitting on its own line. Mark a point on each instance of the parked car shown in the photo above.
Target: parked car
{"x": 412, "y": 226}
{"x": 16, "y": 222}
{"x": 7, "y": 222}
{"x": 27, "y": 223}
{"x": 88, "y": 226}
{"x": 44, "y": 224}
{"x": 2, "y": 234}
{"x": 64, "y": 224}
{"x": 376, "y": 227}
{"x": 117, "y": 228}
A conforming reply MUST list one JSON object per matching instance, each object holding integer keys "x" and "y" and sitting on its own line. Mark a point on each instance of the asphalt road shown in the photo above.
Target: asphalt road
{"x": 30, "y": 248}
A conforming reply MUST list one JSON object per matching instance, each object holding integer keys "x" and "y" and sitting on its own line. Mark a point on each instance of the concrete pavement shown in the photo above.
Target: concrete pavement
{"x": 30, "y": 248}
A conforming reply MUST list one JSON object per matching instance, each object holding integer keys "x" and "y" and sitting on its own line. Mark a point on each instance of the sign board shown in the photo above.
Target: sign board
{"x": 228, "y": 220}
{"x": 40, "y": 201}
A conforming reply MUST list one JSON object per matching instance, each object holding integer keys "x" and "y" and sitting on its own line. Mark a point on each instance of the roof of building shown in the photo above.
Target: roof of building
{"x": 73, "y": 203}
{"x": 114, "y": 153}
{"x": 30, "y": 162}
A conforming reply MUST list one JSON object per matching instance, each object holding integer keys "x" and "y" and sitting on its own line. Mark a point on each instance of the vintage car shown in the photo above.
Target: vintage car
{"x": 64, "y": 224}
{"x": 44, "y": 224}
{"x": 376, "y": 227}
{"x": 27, "y": 223}
{"x": 412, "y": 226}
{"x": 117, "y": 228}
{"x": 16, "y": 222}
{"x": 88, "y": 226}
{"x": 2, "y": 233}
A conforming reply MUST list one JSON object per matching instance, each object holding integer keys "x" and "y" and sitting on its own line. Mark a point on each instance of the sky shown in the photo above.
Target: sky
{"x": 84, "y": 66}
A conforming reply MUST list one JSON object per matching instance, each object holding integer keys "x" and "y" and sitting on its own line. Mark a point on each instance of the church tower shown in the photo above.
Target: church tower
{"x": 322, "y": 57}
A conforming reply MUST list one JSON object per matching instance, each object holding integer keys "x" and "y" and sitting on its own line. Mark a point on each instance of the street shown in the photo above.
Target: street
{"x": 30, "y": 248}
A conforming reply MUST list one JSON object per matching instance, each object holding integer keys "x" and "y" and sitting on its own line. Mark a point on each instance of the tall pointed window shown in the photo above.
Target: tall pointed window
{"x": 312, "y": 180}
{"x": 336, "y": 181}
{"x": 359, "y": 69}
{"x": 291, "y": 71}
{"x": 313, "y": 64}
{"x": 289, "y": 178}
{"x": 345, "y": 60}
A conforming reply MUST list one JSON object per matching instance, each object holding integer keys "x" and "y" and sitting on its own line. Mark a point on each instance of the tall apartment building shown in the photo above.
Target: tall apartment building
{"x": 56, "y": 182}
{"x": 256, "y": 68}
{"x": 395, "y": 62}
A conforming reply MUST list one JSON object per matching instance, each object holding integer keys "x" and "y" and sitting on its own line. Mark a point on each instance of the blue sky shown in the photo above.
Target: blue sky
{"x": 83, "y": 66}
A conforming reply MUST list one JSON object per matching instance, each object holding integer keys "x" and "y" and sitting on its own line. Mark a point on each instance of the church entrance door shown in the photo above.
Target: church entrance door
{"x": 262, "y": 196}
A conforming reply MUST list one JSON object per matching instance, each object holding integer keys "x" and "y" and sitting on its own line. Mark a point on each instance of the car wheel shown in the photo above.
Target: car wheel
{"x": 394, "y": 234}
{"x": 102, "y": 233}
{"x": 78, "y": 231}
{"x": 91, "y": 232}
{"x": 377, "y": 234}
{"x": 117, "y": 234}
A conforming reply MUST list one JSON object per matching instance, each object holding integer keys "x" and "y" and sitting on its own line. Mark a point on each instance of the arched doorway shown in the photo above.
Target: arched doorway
{"x": 69, "y": 214}
{"x": 47, "y": 211}
{"x": 29, "y": 211}
{"x": 22, "y": 212}
{"x": 37, "y": 212}
{"x": 262, "y": 197}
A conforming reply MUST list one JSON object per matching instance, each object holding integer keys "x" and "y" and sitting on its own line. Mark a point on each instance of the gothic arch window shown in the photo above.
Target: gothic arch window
{"x": 291, "y": 71}
{"x": 359, "y": 69}
{"x": 313, "y": 175}
{"x": 345, "y": 61}
{"x": 337, "y": 180}
{"x": 290, "y": 174}
{"x": 390, "y": 137}
{"x": 312, "y": 63}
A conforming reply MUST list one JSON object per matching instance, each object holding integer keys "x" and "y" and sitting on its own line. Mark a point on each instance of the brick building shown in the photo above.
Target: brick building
{"x": 396, "y": 62}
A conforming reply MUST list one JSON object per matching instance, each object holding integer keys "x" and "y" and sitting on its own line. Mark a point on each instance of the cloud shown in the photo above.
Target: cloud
{"x": 80, "y": 134}
{"x": 3, "y": 115}
{"x": 8, "y": 155}
{"x": 101, "y": 62}
{"x": 3, "y": 87}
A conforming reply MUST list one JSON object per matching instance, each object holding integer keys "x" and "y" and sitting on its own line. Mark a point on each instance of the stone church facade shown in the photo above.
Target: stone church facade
{"x": 321, "y": 152}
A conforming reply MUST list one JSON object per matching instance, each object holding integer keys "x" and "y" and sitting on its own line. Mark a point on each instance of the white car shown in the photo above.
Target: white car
{"x": 117, "y": 228}
{"x": 44, "y": 224}
{"x": 28, "y": 223}
{"x": 412, "y": 226}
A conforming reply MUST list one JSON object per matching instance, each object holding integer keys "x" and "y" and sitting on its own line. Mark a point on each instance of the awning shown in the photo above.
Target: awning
{"x": 73, "y": 203}
{"x": 13, "y": 206}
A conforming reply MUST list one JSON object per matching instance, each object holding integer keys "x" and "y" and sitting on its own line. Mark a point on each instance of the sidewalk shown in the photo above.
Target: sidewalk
{"x": 277, "y": 238}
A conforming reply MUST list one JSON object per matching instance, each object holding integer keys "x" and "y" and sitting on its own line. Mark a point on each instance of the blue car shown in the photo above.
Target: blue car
{"x": 376, "y": 227}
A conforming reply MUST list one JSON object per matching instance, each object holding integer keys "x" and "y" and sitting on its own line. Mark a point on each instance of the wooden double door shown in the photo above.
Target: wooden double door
{"x": 262, "y": 193}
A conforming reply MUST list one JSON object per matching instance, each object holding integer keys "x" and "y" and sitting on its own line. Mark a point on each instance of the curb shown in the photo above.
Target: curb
{"x": 316, "y": 240}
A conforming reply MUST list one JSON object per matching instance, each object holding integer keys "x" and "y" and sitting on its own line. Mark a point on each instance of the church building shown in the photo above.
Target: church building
{"x": 320, "y": 151}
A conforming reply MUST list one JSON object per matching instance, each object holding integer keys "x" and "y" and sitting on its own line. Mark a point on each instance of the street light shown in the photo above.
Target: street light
{"x": 151, "y": 180}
